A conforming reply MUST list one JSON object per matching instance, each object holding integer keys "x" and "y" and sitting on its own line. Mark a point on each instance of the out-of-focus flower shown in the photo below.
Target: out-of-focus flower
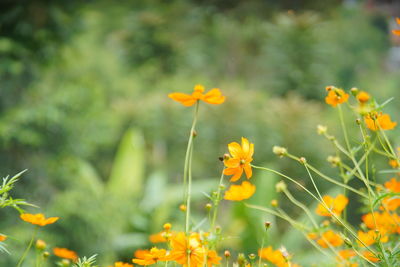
{"x": 65, "y": 254}
{"x": 240, "y": 192}
{"x": 151, "y": 256}
{"x": 370, "y": 237}
{"x": 38, "y": 219}
{"x": 336, "y": 96}
{"x": 214, "y": 96}
{"x": 240, "y": 158}
{"x": 40, "y": 244}
{"x": 379, "y": 120}
{"x": 330, "y": 238}
{"x": 336, "y": 205}
{"x": 158, "y": 237}
{"x": 213, "y": 258}
{"x": 393, "y": 163}
{"x": 346, "y": 254}
{"x": 385, "y": 222}
{"x": 122, "y": 264}
{"x": 3, "y": 238}
{"x": 397, "y": 32}
{"x": 370, "y": 256}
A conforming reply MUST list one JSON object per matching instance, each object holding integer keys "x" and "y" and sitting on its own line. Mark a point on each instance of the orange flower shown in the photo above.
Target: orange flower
{"x": 370, "y": 237}
{"x": 38, "y": 219}
{"x": 140, "y": 253}
{"x": 379, "y": 120}
{"x": 151, "y": 256}
{"x": 335, "y": 205}
{"x": 241, "y": 156}
{"x": 393, "y": 163}
{"x": 330, "y": 237}
{"x": 393, "y": 185}
{"x": 183, "y": 246}
{"x": 158, "y": 237}
{"x": 369, "y": 255}
{"x": 397, "y": 32}
{"x": 346, "y": 254}
{"x": 312, "y": 236}
{"x": 274, "y": 256}
{"x": 363, "y": 97}
{"x": 214, "y": 96}
{"x": 122, "y": 264}
{"x": 3, "y": 238}
{"x": 213, "y": 258}
{"x": 335, "y": 96}
{"x": 240, "y": 192}
{"x": 392, "y": 203}
{"x": 385, "y": 222}
{"x": 65, "y": 254}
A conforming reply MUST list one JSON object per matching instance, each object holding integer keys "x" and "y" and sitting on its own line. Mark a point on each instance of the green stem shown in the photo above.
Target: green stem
{"x": 28, "y": 248}
{"x": 217, "y": 201}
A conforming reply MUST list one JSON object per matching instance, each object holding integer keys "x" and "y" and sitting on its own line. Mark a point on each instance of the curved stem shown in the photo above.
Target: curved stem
{"x": 28, "y": 248}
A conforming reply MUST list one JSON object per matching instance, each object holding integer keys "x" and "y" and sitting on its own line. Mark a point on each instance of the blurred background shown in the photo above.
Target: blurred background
{"x": 84, "y": 107}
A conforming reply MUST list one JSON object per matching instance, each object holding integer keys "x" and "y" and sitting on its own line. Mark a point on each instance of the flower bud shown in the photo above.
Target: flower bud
{"x": 3, "y": 238}
{"x": 182, "y": 207}
{"x": 330, "y": 87}
{"x": 267, "y": 225}
{"x": 167, "y": 226}
{"x": 208, "y": 206}
{"x": 194, "y": 133}
{"x": 348, "y": 242}
{"x": 274, "y": 203}
{"x": 65, "y": 263}
{"x": 217, "y": 229}
{"x": 46, "y": 254}
{"x": 280, "y": 187}
{"x": 321, "y": 129}
{"x": 40, "y": 244}
{"x": 358, "y": 121}
{"x": 303, "y": 160}
{"x": 354, "y": 91}
{"x": 241, "y": 259}
{"x": 227, "y": 254}
{"x": 280, "y": 151}
{"x": 333, "y": 160}
{"x": 252, "y": 256}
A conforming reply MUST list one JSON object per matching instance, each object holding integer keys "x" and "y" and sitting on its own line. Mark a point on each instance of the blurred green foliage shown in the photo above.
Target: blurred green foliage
{"x": 83, "y": 106}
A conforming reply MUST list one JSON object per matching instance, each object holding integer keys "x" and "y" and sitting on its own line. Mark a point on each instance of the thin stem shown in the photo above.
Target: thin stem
{"x": 28, "y": 248}
{"x": 346, "y": 138}
{"x": 217, "y": 201}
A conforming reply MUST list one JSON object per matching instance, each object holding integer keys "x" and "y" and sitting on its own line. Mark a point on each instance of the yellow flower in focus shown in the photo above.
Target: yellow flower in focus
{"x": 397, "y": 32}
{"x": 38, "y": 219}
{"x": 379, "y": 120}
{"x": 151, "y": 256}
{"x": 240, "y": 192}
{"x": 330, "y": 237}
{"x": 336, "y": 205}
{"x": 3, "y": 238}
{"x": 335, "y": 96}
{"x": 183, "y": 246}
{"x": 363, "y": 97}
{"x": 214, "y": 96}
{"x": 212, "y": 258}
{"x": 239, "y": 160}
{"x": 370, "y": 237}
{"x": 65, "y": 254}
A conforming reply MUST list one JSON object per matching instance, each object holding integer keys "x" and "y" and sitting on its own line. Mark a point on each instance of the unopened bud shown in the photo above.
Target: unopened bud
{"x": 321, "y": 129}
{"x": 167, "y": 226}
{"x": 65, "y": 263}
{"x": 358, "y": 121}
{"x": 267, "y": 225}
{"x": 194, "y": 133}
{"x": 208, "y": 206}
{"x": 227, "y": 254}
{"x": 330, "y": 87}
{"x": 348, "y": 242}
{"x": 274, "y": 203}
{"x": 217, "y": 229}
{"x": 182, "y": 207}
{"x": 40, "y": 244}
{"x": 222, "y": 187}
{"x": 226, "y": 156}
{"x": 284, "y": 252}
{"x": 252, "y": 256}
{"x": 46, "y": 254}
{"x": 334, "y": 160}
{"x": 280, "y": 187}
{"x": 354, "y": 91}
{"x": 302, "y": 160}
{"x": 241, "y": 259}
{"x": 326, "y": 223}
{"x": 280, "y": 151}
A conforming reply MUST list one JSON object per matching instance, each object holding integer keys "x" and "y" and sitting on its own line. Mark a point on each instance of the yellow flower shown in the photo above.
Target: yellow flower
{"x": 239, "y": 160}
{"x": 330, "y": 237}
{"x": 393, "y": 163}
{"x": 385, "y": 222}
{"x": 3, "y": 238}
{"x": 151, "y": 256}
{"x": 363, "y": 97}
{"x": 346, "y": 254}
{"x": 335, "y": 96}
{"x": 182, "y": 246}
{"x": 65, "y": 254}
{"x": 336, "y": 205}
{"x": 379, "y": 120}
{"x": 369, "y": 255}
{"x": 274, "y": 256}
{"x": 214, "y": 96}
{"x": 38, "y": 219}
{"x": 240, "y": 192}
{"x": 397, "y": 32}
{"x": 158, "y": 237}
